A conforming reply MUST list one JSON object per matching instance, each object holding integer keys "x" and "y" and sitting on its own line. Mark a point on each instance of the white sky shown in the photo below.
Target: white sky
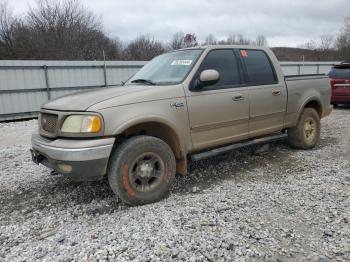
{"x": 283, "y": 22}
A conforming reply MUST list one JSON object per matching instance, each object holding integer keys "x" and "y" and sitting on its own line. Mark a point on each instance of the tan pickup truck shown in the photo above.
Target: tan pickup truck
{"x": 183, "y": 105}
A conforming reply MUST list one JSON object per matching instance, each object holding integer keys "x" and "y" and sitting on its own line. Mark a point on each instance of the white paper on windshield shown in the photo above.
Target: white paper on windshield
{"x": 181, "y": 62}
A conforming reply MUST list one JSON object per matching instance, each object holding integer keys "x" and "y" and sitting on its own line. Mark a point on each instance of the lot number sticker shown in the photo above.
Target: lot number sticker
{"x": 181, "y": 62}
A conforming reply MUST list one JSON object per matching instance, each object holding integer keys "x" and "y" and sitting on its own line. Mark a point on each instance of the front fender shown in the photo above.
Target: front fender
{"x": 144, "y": 119}
{"x": 121, "y": 118}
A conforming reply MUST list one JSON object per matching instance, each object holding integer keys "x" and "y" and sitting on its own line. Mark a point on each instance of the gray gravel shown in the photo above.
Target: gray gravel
{"x": 275, "y": 205}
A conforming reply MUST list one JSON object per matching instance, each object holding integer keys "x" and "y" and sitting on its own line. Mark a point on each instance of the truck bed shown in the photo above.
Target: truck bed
{"x": 304, "y": 88}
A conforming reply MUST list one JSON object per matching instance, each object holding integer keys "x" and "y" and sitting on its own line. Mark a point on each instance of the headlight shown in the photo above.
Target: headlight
{"x": 81, "y": 124}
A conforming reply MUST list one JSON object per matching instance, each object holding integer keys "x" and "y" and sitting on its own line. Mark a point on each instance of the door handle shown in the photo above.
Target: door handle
{"x": 238, "y": 98}
{"x": 276, "y": 93}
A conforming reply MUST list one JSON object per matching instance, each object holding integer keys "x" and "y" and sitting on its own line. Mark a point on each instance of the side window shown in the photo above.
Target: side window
{"x": 259, "y": 67}
{"x": 225, "y": 62}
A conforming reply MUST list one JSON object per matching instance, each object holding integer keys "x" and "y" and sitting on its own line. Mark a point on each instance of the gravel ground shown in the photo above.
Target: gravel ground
{"x": 283, "y": 205}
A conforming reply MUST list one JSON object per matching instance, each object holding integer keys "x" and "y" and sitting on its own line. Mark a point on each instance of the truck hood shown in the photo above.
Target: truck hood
{"x": 81, "y": 101}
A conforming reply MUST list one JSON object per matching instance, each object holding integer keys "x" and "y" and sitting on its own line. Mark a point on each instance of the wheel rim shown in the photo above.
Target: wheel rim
{"x": 310, "y": 129}
{"x": 146, "y": 172}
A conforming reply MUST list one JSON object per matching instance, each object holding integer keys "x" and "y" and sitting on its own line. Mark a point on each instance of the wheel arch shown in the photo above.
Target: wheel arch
{"x": 312, "y": 102}
{"x": 160, "y": 128}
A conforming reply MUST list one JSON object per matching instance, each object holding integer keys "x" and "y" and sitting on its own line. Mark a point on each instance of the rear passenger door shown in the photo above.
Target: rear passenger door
{"x": 219, "y": 113}
{"x": 268, "y": 97}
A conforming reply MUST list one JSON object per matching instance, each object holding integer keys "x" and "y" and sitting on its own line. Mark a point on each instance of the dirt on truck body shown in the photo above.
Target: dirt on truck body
{"x": 186, "y": 104}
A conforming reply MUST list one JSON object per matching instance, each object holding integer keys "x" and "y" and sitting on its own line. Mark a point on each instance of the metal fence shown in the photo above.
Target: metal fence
{"x": 302, "y": 68}
{"x": 26, "y": 85}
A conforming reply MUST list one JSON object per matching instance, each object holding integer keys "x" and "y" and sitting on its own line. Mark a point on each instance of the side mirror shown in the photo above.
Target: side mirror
{"x": 206, "y": 78}
{"x": 209, "y": 77}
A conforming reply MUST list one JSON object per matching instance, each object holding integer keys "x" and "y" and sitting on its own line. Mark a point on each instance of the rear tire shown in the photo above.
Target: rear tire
{"x": 141, "y": 170}
{"x": 335, "y": 105}
{"x": 306, "y": 133}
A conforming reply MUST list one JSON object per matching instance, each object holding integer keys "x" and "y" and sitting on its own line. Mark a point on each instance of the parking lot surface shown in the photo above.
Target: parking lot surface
{"x": 279, "y": 205}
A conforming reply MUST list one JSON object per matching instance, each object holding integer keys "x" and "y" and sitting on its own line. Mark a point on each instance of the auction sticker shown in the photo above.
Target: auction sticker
{"x": 181, "y": 62}
{"x": 244, "y": 53}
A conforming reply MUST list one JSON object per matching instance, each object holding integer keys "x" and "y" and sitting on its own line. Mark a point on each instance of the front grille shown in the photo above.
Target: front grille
{"x": 49, "y": 122}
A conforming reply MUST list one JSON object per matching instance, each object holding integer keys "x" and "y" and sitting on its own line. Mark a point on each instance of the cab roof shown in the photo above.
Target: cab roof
{"x": 223, "y": 47}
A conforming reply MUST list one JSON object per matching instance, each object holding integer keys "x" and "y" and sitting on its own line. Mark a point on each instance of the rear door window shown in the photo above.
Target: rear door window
{"x": 259, "y": 67}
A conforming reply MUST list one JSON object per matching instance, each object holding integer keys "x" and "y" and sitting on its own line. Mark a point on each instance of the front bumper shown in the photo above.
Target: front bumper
{"x": 83, "y": 159}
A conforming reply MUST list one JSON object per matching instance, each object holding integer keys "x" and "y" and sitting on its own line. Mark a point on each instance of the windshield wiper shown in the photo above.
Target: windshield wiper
{"x": 144, "y": 81}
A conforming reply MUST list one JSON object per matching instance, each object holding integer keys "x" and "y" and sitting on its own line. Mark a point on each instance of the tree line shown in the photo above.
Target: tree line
{"x": 66, "y": 30}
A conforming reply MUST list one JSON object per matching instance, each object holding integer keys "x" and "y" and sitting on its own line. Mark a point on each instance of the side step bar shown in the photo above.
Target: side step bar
{"x": 218, "y": 151}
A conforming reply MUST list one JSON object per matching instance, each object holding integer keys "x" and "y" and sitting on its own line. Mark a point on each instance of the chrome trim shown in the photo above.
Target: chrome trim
{"x": 89, "y": 149}
{"x": 61, "y": 117}
{"x": 71, "y": 149}
{"x": 342, "y": 85}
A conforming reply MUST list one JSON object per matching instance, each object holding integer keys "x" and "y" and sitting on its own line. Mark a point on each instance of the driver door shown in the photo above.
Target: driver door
{"x": 219, "y": 113}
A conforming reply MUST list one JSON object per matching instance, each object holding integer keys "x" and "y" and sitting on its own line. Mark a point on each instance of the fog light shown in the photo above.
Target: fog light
{"x": 65, "y": 168}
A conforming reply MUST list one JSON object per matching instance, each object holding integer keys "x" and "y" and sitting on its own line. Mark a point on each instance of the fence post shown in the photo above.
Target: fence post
{"x": 46, "y": 70}
{"x": 318, "y": 69}
{"x": 298, "y": 69}
{"x": 104, "y": 68}
{"x": 105, "y": 74}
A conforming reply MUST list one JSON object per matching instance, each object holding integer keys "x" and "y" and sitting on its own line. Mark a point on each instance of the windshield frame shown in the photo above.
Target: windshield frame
{"x": 128, "y": 82}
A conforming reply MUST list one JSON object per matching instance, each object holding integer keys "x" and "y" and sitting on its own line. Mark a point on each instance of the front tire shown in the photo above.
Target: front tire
{"x": 141, "y": 170}
{"x": 307, "y": 132}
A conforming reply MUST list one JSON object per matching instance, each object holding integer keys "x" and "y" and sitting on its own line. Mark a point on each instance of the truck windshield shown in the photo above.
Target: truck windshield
{"x": 167, "y": 69}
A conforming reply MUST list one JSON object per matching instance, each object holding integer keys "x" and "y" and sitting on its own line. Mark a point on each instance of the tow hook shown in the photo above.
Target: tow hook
{"x": 54, "y": 173}
{"x": 36, "y": 157}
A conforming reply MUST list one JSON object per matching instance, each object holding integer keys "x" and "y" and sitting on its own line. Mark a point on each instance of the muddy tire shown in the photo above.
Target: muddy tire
{"x": 141, "y": 170}
{"x": 307, "y": 132}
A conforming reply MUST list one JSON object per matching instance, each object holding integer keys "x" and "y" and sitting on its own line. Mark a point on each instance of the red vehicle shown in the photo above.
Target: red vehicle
{"x": 340, "y": 82}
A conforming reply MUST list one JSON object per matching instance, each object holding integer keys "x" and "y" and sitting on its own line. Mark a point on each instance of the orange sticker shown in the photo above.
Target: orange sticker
{"x": 244, "y": 53}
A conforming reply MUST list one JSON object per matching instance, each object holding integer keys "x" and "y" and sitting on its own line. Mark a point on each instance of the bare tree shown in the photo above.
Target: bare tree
{"x": 311, "y": 45}
{"x": 178, "y": 41}
{"x": 190, "y": 40}
{"x": 7, "y": 24}
{"x": 144, "y": 48}
{"x": 243, "y": 41}
{"x": 261, "y": 40}
{"x": 326, "y": 42}
{"x": 210, "y": 40}
{"x": 62, "y": 29}
{"x": 231, "y": 39}
{"x": 343, "y": 40}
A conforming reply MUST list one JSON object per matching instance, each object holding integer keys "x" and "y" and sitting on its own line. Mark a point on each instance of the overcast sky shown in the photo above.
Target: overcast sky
{"x": 283, "y": 22}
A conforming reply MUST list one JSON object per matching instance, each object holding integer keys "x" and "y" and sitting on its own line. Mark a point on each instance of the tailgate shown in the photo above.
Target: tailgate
{"x": 340, "y": 87}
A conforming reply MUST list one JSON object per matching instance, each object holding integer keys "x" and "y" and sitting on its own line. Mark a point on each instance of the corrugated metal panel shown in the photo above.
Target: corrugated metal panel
{"x": 24, "y": 85}
{"x": 297, "y": 68}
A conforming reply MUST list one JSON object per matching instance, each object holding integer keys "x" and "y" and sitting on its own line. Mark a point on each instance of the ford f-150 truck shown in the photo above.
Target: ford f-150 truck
{"x": 186, "y": 104}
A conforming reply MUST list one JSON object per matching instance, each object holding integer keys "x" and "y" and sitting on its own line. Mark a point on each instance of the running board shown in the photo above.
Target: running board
{"x": 218, "y": 151}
